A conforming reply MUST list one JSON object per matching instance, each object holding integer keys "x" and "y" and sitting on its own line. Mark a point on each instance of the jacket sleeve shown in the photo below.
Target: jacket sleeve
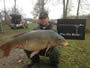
{"x": 53, "y": 28}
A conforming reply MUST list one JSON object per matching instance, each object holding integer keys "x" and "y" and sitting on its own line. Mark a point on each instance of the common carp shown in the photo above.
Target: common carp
{"x": 34, "y": 41}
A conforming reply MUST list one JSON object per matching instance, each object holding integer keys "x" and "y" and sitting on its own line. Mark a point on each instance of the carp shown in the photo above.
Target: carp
{"x": 34, "y": 41}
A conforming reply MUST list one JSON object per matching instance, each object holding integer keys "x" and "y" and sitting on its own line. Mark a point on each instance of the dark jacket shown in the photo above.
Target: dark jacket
{"x": 42, "y": 27}
{"x": 52, "y": 53}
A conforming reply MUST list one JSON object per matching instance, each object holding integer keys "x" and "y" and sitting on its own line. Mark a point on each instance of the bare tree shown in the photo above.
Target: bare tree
{"x": 5, "y": 9}
{"x": 39, "y": 7}
{"x": 65, "y": 8}
{"x": 15, "y": 6}
{"x": 79, "y": 1}
{"x": 5, "y": 12}
{"x": 14, "y": 10}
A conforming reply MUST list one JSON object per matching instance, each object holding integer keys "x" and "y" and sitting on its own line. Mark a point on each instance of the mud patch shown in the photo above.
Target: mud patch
{"x": 17, "y": 59}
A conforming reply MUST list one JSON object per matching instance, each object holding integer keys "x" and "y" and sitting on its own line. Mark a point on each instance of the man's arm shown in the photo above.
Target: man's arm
{"x": 52, "y": 27}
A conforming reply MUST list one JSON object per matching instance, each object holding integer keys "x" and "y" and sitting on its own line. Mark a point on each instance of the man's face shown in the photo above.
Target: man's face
{"x": 44, "y": 21}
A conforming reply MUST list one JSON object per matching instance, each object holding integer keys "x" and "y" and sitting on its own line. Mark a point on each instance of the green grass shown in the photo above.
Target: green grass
{"x": 8, "y": 31}
{"x": 77, "y": 55}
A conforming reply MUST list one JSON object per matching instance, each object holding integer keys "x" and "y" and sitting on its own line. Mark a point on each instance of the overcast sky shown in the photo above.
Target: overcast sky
{"x": 55, "y": 8}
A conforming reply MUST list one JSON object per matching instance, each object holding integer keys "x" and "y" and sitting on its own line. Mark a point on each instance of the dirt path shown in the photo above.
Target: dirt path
{"x": 17, "y": 59}
{"x": 11, "y": 35}
{"x": 7, "y": 36}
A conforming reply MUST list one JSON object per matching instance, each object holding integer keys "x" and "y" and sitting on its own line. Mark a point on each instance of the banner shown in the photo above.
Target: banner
{"x": 73, "y": 29}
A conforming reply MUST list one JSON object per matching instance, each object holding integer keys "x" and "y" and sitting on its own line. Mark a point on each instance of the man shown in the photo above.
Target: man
{"x": 52, "y": 53}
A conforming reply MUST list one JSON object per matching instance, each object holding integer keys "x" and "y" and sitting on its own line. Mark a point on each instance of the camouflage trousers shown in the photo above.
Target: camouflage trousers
{"x": 52, "y": 53}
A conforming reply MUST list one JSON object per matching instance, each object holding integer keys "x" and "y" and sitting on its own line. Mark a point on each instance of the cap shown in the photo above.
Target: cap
{"x": 43, "y": 15}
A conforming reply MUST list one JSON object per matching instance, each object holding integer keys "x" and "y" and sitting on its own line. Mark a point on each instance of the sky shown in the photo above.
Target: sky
{"x": 55, "y": 8}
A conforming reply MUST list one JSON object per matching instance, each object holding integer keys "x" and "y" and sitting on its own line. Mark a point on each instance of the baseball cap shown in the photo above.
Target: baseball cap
{"x": 43, "y": 15}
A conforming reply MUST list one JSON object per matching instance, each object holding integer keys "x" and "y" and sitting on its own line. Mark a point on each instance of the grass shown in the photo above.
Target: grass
{"x": 77, "y": 55}
{"x": 8, "y": 31}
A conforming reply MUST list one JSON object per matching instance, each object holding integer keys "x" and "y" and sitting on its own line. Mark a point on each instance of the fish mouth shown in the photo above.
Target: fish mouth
{"x": 65, "y": 44}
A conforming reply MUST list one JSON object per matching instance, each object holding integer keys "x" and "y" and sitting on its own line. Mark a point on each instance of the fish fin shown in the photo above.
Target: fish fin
{"x": 34, "y": 53}
{"x": 47, "y": 50}
{"x": 6, "y": 52}
{"x": 6, "y": 49}
{"x": 19, "y": 34}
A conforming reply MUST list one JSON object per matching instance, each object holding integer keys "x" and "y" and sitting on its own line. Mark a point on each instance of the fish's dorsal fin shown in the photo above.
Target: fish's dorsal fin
{"x": 19, "y": 34}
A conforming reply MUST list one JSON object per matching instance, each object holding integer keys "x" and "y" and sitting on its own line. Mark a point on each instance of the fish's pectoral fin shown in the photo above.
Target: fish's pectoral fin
{"x": 47, "y": 49}
{"x": 34, "y": 53}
